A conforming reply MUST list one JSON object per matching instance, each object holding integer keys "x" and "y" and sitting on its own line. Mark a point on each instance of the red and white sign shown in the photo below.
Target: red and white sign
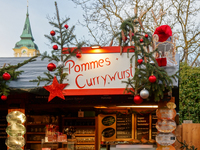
{"x": 62, "y": 138}
{"x": 98, "y": 73}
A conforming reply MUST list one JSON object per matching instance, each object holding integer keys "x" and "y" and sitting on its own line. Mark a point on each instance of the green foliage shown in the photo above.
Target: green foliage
{"x": 14, "y": 73}
{"x": 185, "y": 146}
{"x": 189, "y": 93}
{"x": 146, "y": 69}
{"x": 63, "y": 38}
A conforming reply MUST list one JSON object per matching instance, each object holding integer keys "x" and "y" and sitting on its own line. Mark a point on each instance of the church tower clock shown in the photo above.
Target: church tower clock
{"x": 26, "y": 46}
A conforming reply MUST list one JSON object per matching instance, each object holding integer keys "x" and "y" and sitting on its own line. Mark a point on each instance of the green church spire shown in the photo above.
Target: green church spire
{"x": 27, "y": 34}
{"x": 26, "y": 37}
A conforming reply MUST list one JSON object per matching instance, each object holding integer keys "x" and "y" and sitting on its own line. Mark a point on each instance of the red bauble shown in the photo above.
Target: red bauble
{"x": 141, "y": 40}
{"x": 152, "y": 79}
{"x": 78, "y": 55}
{"x": 66, "y": 26}
{"x": 137, "y": 99}
{"x": 140, "y": 61}
{"x": 6, "y": 76}
{"x": 3, "y": 97}
{"x": 126, "y": 38}
{"x": 132, "y": 34}
{"x": 55, "y": 47}
{"x": 52, "y": 33}
{"x": 146, "y": 35}
{"x": 51, "y": 66}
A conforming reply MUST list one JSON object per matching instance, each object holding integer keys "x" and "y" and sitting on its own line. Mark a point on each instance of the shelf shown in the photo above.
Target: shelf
{"x": 35, "y": 132}
{"x": 79, "y": 118}
{"x": 84, "y": 135}
{"x": 36, "y": 142}
{"x": 85, "y": 143}
{"x": 36, "y": 124}
{"x": 79, "y": 126}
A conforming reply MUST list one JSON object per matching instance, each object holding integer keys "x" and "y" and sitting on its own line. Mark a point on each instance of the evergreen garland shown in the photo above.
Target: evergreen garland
{"x": 63, "y": 39}
{"x": 146, "y": 69}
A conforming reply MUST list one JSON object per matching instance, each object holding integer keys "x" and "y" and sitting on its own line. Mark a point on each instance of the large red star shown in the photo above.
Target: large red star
{"x": 55, "y": 89}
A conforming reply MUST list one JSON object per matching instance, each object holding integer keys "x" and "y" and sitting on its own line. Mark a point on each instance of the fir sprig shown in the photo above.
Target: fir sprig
{"x": 14, "y": 73}
{"x": 64, "y": 38}
{"x": 146, "y": 69}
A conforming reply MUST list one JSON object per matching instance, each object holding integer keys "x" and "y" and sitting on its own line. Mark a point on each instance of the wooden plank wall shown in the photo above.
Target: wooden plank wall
{"x": 178, "y": 133}
{"x": 191, "y": 134}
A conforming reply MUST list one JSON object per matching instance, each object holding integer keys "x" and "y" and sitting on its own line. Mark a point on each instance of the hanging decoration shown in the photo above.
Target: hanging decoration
{"x": 55, "y": 47}
{"x": 146, "y": 36}
{"x": 78, "y": 55}
{"x": 52, "y": 33}
{"x": 6, "y": 76}
{"x": 152, "y": 79}
{"x": 15, "y": 130}
{"x": 55, "y": 89}
{"x": 140, "y": 61}
{"x": 51, "y": 66}
{"x": 141, "y": 40}
{"x": 137, "y": 99}
{"x": 166, "y": 125}
{"x": 3, "y": 97}
{"x": 144, "y": 94}
{"x": 66, "y": 26}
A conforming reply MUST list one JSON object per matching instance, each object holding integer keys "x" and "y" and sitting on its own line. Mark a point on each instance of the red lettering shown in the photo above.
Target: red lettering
{"x": 73, "y": 63}
{"x": 89, "y": 84}
{"x": 127, "y": 71}
{"x": 98, "y": 80}
{"x": 93, "y": 62}
{"x": 131, "y": 71}
{"x": 124, "y": 74}
{"x": 100, "y": 62}
{"x": 104, "y": 79}
{"x": 77, "y": 82}
{"x": 106, "y": 60}
{"x": 76, "y": 69}
{"x": 122, "y": 77}
{"x": 86, "y": 65}
{"x": 113, "y": 77}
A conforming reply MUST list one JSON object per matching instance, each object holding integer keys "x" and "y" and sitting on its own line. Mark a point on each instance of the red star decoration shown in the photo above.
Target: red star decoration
{"x": 55, "y": 89}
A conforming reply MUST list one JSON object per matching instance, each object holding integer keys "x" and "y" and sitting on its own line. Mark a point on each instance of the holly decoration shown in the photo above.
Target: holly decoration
{"x": 140, "y": 61}
{"x": 52, "y": 33}
{"x": 141, "y": 40}
{"x": 66, "y": 26}
{"x": 137, "y": 99}
{"x": 6, "y": 76}
{"x": 152, "y": 79}
{"x": 55, "y": 47}
{"x": 78, "y": 55}
{"x": 51, "y": 66}
{"x": 146, "y": 35}
{"x": 3, "y": 97}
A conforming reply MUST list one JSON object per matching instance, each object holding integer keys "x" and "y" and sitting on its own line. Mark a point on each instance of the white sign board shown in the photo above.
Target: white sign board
{"x": 99, "y": 71}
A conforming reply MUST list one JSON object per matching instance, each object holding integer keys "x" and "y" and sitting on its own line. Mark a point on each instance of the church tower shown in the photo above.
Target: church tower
{"x": 26, "y": 46}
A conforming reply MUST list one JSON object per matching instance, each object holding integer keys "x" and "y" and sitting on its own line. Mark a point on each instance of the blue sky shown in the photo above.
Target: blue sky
{"x": 13, "y": 15}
